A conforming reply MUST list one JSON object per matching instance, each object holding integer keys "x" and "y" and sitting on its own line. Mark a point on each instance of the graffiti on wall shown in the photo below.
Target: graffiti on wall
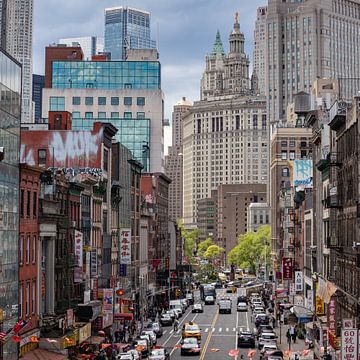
{"x": 73, "y": 152}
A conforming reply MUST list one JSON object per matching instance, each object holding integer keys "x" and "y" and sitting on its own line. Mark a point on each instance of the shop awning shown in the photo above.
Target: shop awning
{"x": 123, "y": 316}
{"x": 304, "y": 316}
{"x": 42, "y": 354}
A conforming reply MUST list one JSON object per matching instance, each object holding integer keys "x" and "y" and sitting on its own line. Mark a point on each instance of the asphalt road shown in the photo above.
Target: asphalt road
{"x": 218, "y": 331}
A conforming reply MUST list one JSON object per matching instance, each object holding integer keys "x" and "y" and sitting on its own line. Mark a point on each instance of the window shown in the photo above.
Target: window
{"x": 22, "y": 203}
{"x": 292, "y": 143}
{"x": 76, "y": 114}
{"x": 140, "y": 101}
{"x": 21, "y": 250}
{"x": 27, "y": 304}
{"x": 42, "y": 157}
{"x": 285, "y": 172}
{"x": 128, "y": 101}
{"x": 102, "y": 100}
{"x": 140, "y": 115}
{"x": 28, "y": 203}
{"x": 57, "y": 103}
{"x": 76, "y": 100}
{"x": 88, "y": 115}
{"x": 33, "y": 297}
{"x": 106, "y": 160}
{"x": 114, "y": 100}
{"x": 128, "y": 115}
{"x": 283, "y": 155}
{"x": 261, "y": 220}
{"x": 115, "y": 115}
{"x": 102, "y": 115}
{"x": 255, "y": 218}
{"x": 27, "y": 253}
{"x": 292, "y": 155}
{"x": 89, "y": 100}
{"x": 283, "y": 143}
{"x": 34, "y": 204}
{"x": 33, "y": 252}
{"x": 105, "y": 217}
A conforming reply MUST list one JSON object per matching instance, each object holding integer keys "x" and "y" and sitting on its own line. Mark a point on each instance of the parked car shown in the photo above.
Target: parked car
{"x": 198, "y": 308}
{"x": 156, "y": 328}
{"x": 173, "y": 314}
{"x": 166, "y": 320}
{"x": 209, "y": 300}
{"x": 267, "y": 348}
{"x": 190, "y": 298}
{"x": 148, "y": 338}
{"x": 246, "y": 338}
{"x": 151, "y": 334}
{"x": 273, "y": 354}
{"x": 190, "y": 346}
{"x": 179, "y": 313}
{"x": 261, "y": 319}
{"x": 241, "y": 306}
{"x": 264, "y": 328}
{"x": 159, "y": 353}
{"x": 266, "y": 338}
{"x": 142, "y": 345}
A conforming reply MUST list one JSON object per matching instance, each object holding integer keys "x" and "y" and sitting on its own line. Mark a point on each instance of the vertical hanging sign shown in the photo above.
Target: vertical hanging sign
{"x": 125, "y": 246}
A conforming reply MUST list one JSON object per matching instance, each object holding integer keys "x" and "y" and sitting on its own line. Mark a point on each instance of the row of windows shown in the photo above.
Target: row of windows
{"x": 29, "y": 295}
{"x": 28, "y": 203}
{"x": 27, "y": 249}
{"x": 113, "y": 115}
{"x": 102, "y": 100}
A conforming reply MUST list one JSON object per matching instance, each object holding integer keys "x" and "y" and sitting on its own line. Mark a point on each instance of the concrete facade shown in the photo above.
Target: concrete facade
{"x": 258, "y": 215}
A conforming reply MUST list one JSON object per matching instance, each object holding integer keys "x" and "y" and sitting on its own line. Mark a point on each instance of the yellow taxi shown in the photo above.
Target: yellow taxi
{"x": 191, "y": 330}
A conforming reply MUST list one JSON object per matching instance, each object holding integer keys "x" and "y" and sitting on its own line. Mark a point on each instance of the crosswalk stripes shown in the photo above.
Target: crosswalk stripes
{"x": 220, "y": 329}
{"x": 206, "y": 330}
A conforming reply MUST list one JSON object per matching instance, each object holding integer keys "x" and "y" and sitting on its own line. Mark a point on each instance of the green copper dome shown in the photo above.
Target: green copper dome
{"x": 218, "y": 46}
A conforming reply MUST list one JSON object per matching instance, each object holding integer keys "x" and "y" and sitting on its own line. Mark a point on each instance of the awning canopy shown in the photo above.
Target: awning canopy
{"x": 123, "y": 316}
{"x": 42, "y": 354}
{"x": 304, "y": 316}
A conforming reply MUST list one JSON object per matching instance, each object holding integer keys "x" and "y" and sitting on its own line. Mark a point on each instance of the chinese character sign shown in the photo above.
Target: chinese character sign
{"x": 108, "y": 300}
{"x": 298, "y": 281}
{"x": 319, "y": 304}
{"x": 349, "y": 344}
{"x": 287, "y": 264}
{"x": 78, "y": 249}
{"x": 332, "y": 315}
{"x": 125, "y": 246}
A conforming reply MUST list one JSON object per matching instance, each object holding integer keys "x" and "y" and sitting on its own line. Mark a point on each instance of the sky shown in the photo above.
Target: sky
{"x": 184, "y": 29}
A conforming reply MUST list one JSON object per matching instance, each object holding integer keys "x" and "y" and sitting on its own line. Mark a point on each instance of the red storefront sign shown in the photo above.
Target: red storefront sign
{"x": 332, "y": 315}
{"x": 287, "y": 265}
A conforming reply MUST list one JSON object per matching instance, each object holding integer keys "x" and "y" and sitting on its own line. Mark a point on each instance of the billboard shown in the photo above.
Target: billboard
{"x": 303, "y": 173}
{"x": 125, "y": 246}
{"x": 287, "y": 265}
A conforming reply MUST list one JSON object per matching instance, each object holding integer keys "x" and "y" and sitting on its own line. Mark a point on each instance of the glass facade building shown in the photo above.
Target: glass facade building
{"x": 132, "y": 133}
{"x": 126, "y": 28}
{"x": 106, "y": 74}
{"x": 10, "y": 113}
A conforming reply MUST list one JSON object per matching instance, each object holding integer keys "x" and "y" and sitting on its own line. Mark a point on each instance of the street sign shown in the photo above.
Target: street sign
{"x": 349, "y": 344}
{"x": 298, "y": 281}
{"x": 348, "y": 323}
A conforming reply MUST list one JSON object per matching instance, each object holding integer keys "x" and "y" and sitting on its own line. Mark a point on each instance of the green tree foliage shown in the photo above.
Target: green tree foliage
{"x": 212, "y": 251}
{"x": 190, "y": 239}
{"x": 203, "y": 246}
{"x": 252, "y": 248}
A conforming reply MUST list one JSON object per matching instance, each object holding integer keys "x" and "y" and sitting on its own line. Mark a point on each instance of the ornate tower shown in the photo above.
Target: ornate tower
{"x": 237, "y": 63}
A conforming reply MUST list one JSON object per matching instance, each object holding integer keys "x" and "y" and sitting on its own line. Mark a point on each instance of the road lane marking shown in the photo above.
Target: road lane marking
{"x": 207, "y": 342}
{"x": 220, "y": 329}
{"x": 164, "y": 332}
{"x": 227, "y": 329}
{"x": 236, "y": 332}
{"x": 207, "y": 329}
{"x": 234, "y": 329}
{"x": 220, "y": 335}
{"x": 213, "y": 329}
{"x": 247, "y": 322}
{"x": 171, "y": 331}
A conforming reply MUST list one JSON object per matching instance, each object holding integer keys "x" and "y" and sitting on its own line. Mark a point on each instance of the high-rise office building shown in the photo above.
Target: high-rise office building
{"x": 259, "y": 46}
{"x": 37, "y": 88}
{"x": 308, "y": 40}
{"x": 16, "y": 39}
{"x": 90, "y": 45}
{"x": 126, "y": 28}
{"x": 10, "y": 111}
{"x": 225, "y": 134}
{"x": 174, "y": 160}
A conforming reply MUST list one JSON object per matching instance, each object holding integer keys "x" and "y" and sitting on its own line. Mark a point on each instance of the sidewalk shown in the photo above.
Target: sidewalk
{"x": 295, "y": 348}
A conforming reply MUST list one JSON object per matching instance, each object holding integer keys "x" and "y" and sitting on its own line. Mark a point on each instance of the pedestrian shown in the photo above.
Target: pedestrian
{"x": 288, "y": 335}
{"x": 273, "y": 322}
{"x": 293, "y": 335}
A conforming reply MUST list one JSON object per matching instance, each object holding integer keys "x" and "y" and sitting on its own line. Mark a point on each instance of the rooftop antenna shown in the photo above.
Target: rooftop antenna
{"x": 158, "y": 36}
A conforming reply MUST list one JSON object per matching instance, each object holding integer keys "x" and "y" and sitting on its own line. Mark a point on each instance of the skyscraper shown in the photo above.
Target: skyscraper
{"x": 174, "y": 160}
{"x": 259, "y": 46}
{"x": 225, "y": 133}
{"x": 90, "y": 45}
{"x": 126, "y": 28}
{"x": 306, "y": 40}
{"x": 37, "y": 88}
{"x": 16, "y": 39}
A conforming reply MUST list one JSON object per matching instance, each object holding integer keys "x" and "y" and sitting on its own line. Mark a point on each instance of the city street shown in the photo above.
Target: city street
{"x": 218, "y": 331}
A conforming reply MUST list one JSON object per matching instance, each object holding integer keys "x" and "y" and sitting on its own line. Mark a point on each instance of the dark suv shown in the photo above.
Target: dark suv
{"x": 242, "y": 298}
{"x": 246, "y": 339}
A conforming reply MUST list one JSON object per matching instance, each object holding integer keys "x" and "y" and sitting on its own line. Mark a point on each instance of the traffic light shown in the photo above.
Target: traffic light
{"x": 177, "y": 292}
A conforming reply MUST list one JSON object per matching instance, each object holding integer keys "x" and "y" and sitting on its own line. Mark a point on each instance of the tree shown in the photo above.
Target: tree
{"x": 203, "y": 246}
{"x": 252, "y": 248}
{"x": 190, "y": 239}
{"x": 213, "y": 251}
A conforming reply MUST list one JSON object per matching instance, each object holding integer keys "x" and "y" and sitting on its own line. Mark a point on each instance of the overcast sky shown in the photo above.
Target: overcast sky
{"x": 185, "y": 31}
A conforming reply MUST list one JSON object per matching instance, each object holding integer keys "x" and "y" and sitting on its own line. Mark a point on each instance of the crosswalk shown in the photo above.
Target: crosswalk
{"x": 210, "y": 329}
